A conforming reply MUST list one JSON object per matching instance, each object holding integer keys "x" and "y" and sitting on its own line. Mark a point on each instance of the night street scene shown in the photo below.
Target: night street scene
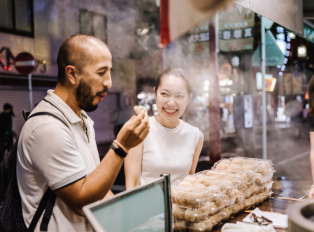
{"x": 157, "y": 115}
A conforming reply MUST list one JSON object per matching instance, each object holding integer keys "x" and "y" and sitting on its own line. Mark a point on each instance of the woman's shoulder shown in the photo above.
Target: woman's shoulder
{"x": 189, "y": 126}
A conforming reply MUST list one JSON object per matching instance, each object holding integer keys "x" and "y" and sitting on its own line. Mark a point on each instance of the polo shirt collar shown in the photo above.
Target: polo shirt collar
{"x": 63, "y": 107}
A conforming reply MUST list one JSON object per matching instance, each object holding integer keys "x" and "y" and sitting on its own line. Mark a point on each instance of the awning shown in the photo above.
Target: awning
{"x": 288, "y": 13}
{"x": 179, "y": 16}
{"x": 274, "y": 55}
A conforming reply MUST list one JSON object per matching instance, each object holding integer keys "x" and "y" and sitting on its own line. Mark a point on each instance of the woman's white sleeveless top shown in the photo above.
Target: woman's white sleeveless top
{"x": 168, "y": 151}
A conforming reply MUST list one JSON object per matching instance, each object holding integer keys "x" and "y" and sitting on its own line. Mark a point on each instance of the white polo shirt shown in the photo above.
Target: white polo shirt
{"x": 52, "y": 154}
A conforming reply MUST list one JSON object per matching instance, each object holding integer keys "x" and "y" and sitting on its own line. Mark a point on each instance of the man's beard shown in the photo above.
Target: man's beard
{"x": 84, "y": 96}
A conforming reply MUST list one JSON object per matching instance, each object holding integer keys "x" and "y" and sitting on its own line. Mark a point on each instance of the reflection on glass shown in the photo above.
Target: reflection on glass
{"x": 23, "y": 15}
{"x": 6, "y": 14}
{"x": 142, "y": 211}
{"x": 156, "y": 224}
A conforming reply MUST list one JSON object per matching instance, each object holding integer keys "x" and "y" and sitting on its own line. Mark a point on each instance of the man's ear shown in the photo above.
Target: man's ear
{"x": 70, "y": 74}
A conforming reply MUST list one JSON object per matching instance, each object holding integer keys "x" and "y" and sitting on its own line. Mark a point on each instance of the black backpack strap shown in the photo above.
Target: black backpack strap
{"x": 49, "y": 198}
{"x": 47, "y": 113}
{"x": 40, "y": 210}
{"x": 48, "y": 212}
{"x": 56, "y": 108}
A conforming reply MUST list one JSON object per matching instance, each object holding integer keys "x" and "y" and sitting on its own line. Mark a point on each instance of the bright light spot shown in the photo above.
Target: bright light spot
{"x": 44, "y": 62}
{"x": 141, "y": 96}
{"x": 285, "y": 61}
{"x": 147, "y": 106}
{"x": 142, "y": 31}
{"x": 206, "y": 83}
{"x": 280, "y": 73}
{"x": 282, "y": 45}
{"x": 302, "y": 51}
{"x": 233, "y": 94}
{"x": 205, "y": 87}
{"x": 291, "y": 35}
{"x": 222, "y": 83}
{"x": 9, "y": 68}
{"x": 299, "y": 98}
{"x": 280, "y": 29}
{"x": 283, "y": 68}
{"x": 230, "y": 82}
{"x": 273, "y": 83}
{"x": 206, "y": 94}
{"x": 154, "y": 107}
{"x": 235, "y": 61}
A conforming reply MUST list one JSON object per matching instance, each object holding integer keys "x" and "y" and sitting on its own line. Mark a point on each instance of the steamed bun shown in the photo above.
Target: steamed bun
{"x": 138, "y": 109}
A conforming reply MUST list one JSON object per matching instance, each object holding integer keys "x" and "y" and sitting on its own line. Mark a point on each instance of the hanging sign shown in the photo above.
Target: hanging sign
{"x": 199, "y": 39}
{"x": 236, "y": 29}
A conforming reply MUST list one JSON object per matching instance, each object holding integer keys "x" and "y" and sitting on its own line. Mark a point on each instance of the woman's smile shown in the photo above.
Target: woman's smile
{"x": 170, "y": 111}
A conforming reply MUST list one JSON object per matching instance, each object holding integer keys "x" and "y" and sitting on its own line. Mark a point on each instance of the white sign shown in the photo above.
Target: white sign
{"x": 248, "y": 111}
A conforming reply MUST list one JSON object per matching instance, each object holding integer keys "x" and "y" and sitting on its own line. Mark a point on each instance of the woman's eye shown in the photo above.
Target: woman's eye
{"x": 101, "y": 74}
{"x": 164, "y": 94}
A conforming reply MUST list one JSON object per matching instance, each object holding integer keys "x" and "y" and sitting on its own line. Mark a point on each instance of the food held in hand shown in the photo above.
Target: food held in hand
{"x": 138, "y": 109}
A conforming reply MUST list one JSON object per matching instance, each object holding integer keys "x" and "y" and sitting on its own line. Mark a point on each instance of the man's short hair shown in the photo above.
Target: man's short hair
{"x": 68, "y": 51}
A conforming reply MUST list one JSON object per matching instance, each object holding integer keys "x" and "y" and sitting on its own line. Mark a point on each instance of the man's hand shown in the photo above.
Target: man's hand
{"x": 311, "y": 192}
{"x": 134, "y": 131}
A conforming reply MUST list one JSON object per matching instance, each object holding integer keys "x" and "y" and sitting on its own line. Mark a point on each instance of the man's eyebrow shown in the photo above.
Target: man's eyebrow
{"x": 105, "y": 67}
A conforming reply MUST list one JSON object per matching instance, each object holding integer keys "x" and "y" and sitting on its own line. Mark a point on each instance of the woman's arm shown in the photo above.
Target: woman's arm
{"x": 197, "y": 153}
{"x": 311, "y": 191}
{"x": 133, "y": 167}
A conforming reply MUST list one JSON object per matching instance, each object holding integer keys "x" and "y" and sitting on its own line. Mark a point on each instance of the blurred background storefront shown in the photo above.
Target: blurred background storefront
{"x": 221, "y": 55}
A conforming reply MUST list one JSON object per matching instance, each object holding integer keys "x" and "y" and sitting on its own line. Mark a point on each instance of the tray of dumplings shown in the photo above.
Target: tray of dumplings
{"x": 208, "y": 222}
{"x": 195, "y": 214}
{"x": 203, "y": 200}
{"x": 250, "y": 165}
{"x": 204, "y": 187}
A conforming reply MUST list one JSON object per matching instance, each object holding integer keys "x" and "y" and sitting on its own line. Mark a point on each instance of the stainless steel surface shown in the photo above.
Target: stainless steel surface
{"x": 300, "y": 214}
{"x": 168, "y": 204}
{"x": 30, "y": 92}
{"x": 263, "y": 59}
{"x": 164, "y": 181}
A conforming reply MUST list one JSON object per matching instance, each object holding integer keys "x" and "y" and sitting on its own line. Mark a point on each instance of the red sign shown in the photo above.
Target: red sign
{"x": 24, "y": 63}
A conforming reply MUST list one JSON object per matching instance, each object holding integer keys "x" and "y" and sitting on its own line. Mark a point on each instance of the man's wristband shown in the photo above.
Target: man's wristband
{"x": 118, "y": 150}
{"x": 120, "y": 145}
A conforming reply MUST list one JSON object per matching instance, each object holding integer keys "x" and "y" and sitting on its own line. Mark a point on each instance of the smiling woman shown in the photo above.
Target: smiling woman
{"x": 172, "y": 145}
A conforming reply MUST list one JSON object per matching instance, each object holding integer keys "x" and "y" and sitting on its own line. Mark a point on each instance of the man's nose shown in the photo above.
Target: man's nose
{"x": 108, "y": 83}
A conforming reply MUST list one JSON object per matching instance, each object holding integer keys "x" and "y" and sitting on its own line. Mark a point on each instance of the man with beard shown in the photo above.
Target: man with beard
{"x": 64, "y": 155}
